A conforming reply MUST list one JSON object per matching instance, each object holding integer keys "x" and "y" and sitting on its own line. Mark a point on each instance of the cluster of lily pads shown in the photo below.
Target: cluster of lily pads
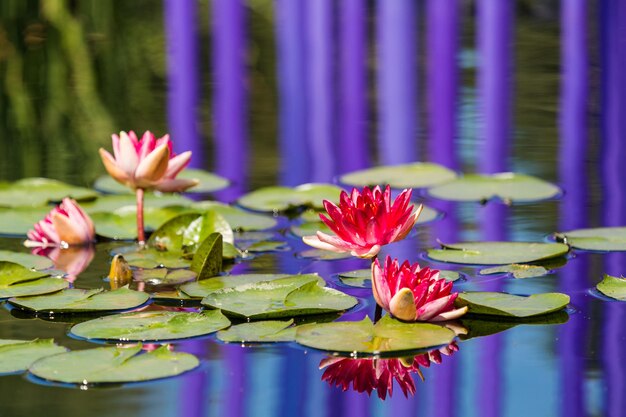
{"x": 192, "y": 245}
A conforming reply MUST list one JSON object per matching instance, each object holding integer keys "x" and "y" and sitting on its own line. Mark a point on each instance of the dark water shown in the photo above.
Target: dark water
{"x": 74, "y": 73}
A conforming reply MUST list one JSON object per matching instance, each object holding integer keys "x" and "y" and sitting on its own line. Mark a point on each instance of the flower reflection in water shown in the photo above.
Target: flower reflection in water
{"x": 72, "y": 260}
{"x": 368, "y": 374}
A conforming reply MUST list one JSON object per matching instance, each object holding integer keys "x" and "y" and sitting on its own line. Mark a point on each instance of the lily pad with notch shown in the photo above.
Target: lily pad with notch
{"x": 511, "y": 306}
{"x": 507, "y": 186}
{"x": 613, "y": 287}
{"x": 27, "y": 260}
{"x": 17, "y": 281}
{"x": 281, "y": 199}
{"x": 603, "y": 239}
{"x": 388, "y": 337}
{"x": 202, "y": 288}
{"x": 113, "y": 365}
{"x": 82, "y": 301}
{"x": 497, "y": 253}
{"x": 285, "y": 297}
{"x": 209, "y": 182}
{"x": 18, "y": 355}
{"x": 151, "y": 326}
{"x": 259, "y": 332}
{"x": 414, "y": 175}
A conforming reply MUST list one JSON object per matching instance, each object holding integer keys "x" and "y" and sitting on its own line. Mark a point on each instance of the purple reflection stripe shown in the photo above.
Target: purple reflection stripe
{"x": 442, "y": 22}
{"x": 235, "y": 360}
{"x": 352, "y": 120}
{"x": 397, "y": 94}
{"x": 229, "y": 102}
{"x": 291, "y": 67}
{"x": 444, "y": 376}
{"x": 495, "y": 47}
{"x": 183, "y": 78}
{"x": 194, "y": 386}
{"x": 319, "y": 89}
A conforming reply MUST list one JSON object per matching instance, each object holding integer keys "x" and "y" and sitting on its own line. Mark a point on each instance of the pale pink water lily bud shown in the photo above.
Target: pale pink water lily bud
{"x": 365, "y": 221}
{"x": 147, "y": 163}
{"x": 411, "y": 293}
{"x": 66, "y": 225}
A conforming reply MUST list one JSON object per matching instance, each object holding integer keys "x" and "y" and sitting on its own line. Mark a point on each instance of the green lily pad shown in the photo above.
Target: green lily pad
{"x": 486, "y": 326}
{"x": 240, "y": 220}
{"x": 41, "y": 191}
{"x": 265, "y": 246}
{"x": 414, "y": 175}
{"x": 18, "y": 355}
{"x": 363, "y": 338}
{"x": 209, "y": 182}
{"x": 517, "y": 270}
{"x": 17, "y": 281}
{"x": 121, "y": 224}
{"x": 17, "y": 221}
{"x": 497, "y": 253}
{"x": 150, "y": 258}
{"x": 506, "y": 186}
{"x": 508, "y": 305}
{"x": 186, "y": 231}
{"x": 164, "y": 276}
{"x": 26, "y": 259}
{"x": 207, "y": 261}
{"x": 109, "y": 203}
{"x": 153, "y": 326}
{"x": 598, "y": 239}
{"x": 286, "y": 297}
{"x": 613, "y": 287}
{"x": 277, "y": 199}
{"x": 323, "y": 255}
{"x": 113, "y": 365}
{"x": 82, "y": 301}
{"x": 259, "y": 332}
{"x": 201, "y": 289}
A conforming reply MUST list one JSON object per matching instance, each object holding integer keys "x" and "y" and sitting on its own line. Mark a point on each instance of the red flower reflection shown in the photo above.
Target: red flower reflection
{"x": 367, "y": 375}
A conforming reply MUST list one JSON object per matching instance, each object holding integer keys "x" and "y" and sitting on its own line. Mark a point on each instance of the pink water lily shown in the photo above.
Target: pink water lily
{"x": 146, "y": 163}
{"x": 365, "y": 221}
{"x": 73, "y": 260}
{"x": 369, "y": 374}
{"x": 412, "y": 293}
{"x": 65, "y": 225}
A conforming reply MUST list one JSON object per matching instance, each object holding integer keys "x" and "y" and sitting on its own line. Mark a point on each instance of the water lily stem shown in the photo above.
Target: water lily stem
{"x": 141, "y": 237}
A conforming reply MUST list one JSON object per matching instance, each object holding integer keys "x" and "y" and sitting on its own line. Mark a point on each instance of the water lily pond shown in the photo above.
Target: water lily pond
{"x": 241, "y": 300}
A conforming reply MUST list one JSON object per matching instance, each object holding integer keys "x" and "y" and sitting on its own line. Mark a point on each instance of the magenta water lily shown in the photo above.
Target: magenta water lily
{"x": 412, "y": 293}
{"x": 366, "y": 221}
{"x": 65, "y": 225}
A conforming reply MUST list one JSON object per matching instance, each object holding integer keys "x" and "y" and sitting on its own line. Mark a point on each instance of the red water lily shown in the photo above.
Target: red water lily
{"x": 65, "y": 225}
{"x": 367, "y": 375}
{"x": 412, "y": 293}
{"x": 365, "y": 221}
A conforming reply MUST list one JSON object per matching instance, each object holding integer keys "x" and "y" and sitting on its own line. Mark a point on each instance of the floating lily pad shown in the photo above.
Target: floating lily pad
{"x": 17, "y": 281}
{"x": 506, "y": 186}
{"x": 82, "y": 301}
{"x": 265, "y": 246}
{"x": 26, "y": 259}
{"x": 363, "y": 338}
{"x": 240, "y": 220}
{"x": 113, "y": 365}
{"x": 286, "y": 297}
{"x": 153, "y": 326}
{"x": 110, "y": 203}
{"x": 323, "y": 255}
{"x": 164, "y": 276}
{"x": 613, "y": 287}
{"x": 259, "y": 332}
{"x": 598, "y": 239}
{"x": 415, "y": 175}
{"x": 517, "y": 270}
{"x": 508, "y": 305}
{"x": 209, "y": 182}
{"x": 207, "y": 261}
{"x": 41, "y": 191}
{"x": 121, "y": 224}
{"x": 17, "y": 221}
{"x": 151, "y": 258}
{"x": 275, "y": 199}
{"x": 497, "y": 253}
{"x": 201, "y": 289}
{"x": 18, "y": 355}
{"x": 483, "y": 326}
